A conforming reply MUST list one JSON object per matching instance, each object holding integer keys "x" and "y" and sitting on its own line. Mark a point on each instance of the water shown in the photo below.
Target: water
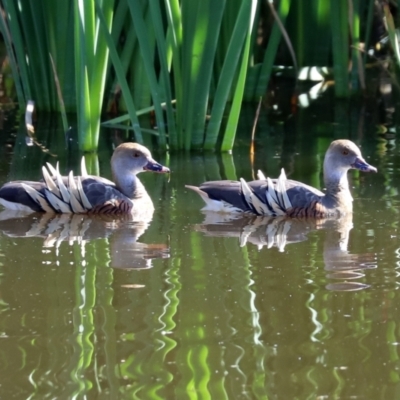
{"x": 187, "y": 307}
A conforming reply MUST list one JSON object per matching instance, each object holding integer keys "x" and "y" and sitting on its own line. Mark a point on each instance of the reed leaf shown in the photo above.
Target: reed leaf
{"x": 31, "y": 41}
{"x": 39, "y": 55}
{"x": 174, "y": 38}
{"x": 60, "y": 52}
{"x": 91, "y": 59}
{"x": 340, "y": 44}
{"x": 147, "y": 56}
{"x": 391, "y": 28}
{"x": 99, "y": 61}
{"x": 119, "y": 70}
{"x": 81, "y": 79}
{"x": 230, "y": 131}
{"x": 190, "y": 64}
{"x": 19, "y": 78}
{"x": 198, "y": 56}
{"x": 272, "y": 48}
{"x": 139, "y": 82}
{"x": 125, "y": 52}
{"x": 60, "y": 97}
{"x": 164, "y": 84}
{"x": 368, "y": 28}
{"x": 18, "y": 41}
{"x": 357, "y": 70}
{"x": 203, "y": 88}
{"x": 228, "y": 73}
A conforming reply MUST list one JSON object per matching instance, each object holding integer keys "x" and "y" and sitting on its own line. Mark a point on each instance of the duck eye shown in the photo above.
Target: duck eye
{"x": 136, "y": 155}
{"x": 345, "y": 152}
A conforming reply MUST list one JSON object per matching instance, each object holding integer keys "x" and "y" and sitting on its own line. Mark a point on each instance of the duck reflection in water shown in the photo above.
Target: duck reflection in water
{"x": 122, "y": 233}
{"x": 342, "y": 267}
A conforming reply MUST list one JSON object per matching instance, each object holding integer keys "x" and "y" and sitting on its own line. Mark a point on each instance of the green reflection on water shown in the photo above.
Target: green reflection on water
{"x": 215, "y": 320}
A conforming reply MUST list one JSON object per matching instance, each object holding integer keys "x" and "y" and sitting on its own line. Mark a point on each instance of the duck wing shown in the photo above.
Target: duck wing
{"x": 104, "y": 196}
{"x": 306, "y": 201}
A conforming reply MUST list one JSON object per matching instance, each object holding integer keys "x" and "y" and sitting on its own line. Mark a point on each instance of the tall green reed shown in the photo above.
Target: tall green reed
{"x": 189, "y": 65}
{"x": 59, "y": 44}
{"x": 91, "y": 59}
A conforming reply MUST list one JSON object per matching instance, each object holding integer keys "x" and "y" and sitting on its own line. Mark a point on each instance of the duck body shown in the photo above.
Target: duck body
{"x": 229, "y": 196}
{"x": 101, "y": 193}
{"x": 88, "y": 193}
{"x": 286, "y": 197}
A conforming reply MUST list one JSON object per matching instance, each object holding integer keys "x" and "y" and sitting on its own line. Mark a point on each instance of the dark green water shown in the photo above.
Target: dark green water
{"x": 193, "y": 308}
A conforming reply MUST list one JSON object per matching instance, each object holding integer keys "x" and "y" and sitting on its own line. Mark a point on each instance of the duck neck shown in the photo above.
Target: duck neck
{"x": 130, "y": 185}
{"x": 337, "y": 190}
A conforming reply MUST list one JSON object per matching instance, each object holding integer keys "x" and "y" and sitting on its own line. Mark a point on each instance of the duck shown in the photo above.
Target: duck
{"x": 88, "y": 194}
{"x": 290, "y": 198}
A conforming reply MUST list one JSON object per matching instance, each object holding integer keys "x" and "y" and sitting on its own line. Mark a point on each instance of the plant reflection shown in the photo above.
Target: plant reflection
{"x": 122, "y": 234}
{"x": 342, "y": 266}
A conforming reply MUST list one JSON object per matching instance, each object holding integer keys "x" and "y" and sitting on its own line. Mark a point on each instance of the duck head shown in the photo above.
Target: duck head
{"x": 133, "y": 158}
{"x": 341, "y": 156}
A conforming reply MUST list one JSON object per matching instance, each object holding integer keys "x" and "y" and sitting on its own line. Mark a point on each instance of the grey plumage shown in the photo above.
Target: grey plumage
{"x": 282, "y": 196}
{"x": 86, "y": 193}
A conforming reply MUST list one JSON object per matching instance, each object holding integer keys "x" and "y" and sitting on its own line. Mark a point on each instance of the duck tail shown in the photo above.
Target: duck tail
{"x": 211, "y": 204}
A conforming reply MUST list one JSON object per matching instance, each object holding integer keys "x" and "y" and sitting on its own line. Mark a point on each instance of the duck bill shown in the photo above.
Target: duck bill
{"x": 154, "y": 166}
{"x": 362, "y": 165}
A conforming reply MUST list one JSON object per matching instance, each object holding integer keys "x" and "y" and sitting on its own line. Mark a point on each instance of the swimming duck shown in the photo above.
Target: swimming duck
{"x": 88, "y": 193}
{"x": 287, "y": 197}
